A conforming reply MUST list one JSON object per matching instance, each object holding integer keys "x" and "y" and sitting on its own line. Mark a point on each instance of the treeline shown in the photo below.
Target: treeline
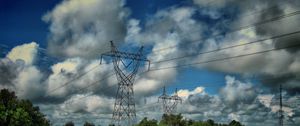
{"x": 16, "y": 112}
{"x": 177, "y": 120}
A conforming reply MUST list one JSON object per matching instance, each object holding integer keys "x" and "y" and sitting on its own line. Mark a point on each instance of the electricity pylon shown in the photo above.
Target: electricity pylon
{"x": 165, "y": 101}
{"x": 169, "y": 102}
{"x": 280, "y": 107}
{"x": 175, "y": 99}
{"x": 126, "y": 67}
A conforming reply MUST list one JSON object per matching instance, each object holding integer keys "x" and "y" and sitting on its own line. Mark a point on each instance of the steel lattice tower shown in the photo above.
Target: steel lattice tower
{"x": 280, "y": 109}
{"x": 126, "y": 66}
{"x": 175, "y": 99}
{"x": 165, "y": 101}
{"x": 169, "y": 102}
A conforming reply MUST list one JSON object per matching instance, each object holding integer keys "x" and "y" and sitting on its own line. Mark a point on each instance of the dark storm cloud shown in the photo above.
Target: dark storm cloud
{"x": 7, "y": 72}
{"x": 277, "y": 9}
{"x": 289, "y": 82}
{"x": 292, "y": 41}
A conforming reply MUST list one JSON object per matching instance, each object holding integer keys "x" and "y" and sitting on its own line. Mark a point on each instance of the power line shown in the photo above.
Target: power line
{"x": 94, "y": 83}
{"x": 226, "y": 58}
{"x": 260, "y": 11}
{"x": 268, "y": 20}
{"x": 238, "y": 29}
{"x": 229, "y": 47}
{"x": 69, "y": 82}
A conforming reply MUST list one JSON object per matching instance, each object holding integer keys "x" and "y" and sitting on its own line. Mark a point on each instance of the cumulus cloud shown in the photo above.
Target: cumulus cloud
{"x": 184, "y": 93}
{"x": 26, "y": 52}
{"x": 66, "y": 78}
{"x": 236, "y": 92}
{"x": 237, "y": 100}
{"x": 23, "y": 76}
{"x": 275, "y": 64}
{"x": 91, "y": 104}
{"x": 85, "y": 27}
{"x": 81, "y": 29}
{"x": 29, "y": 83}
{"x": 234, "y": 101}
{"x": 19, "y": 73}
{"x": 165, "y": 28}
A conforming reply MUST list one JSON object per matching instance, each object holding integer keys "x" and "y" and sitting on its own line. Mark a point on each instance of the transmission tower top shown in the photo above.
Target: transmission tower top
{"x": 164, "y": 95}
{"x": 175, "y": 97}
{"x": 119, "y": 54}
{"x": 169, "y": 102}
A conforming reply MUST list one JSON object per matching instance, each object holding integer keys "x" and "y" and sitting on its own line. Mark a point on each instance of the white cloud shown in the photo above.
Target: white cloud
{"x": 20, "y": 75}
{"x": 276, "y": 64}
{"x": 237, "y": 92}
{"x": 85, "y": 27}
{"x": 91, "y": 103}
{"x": 165, "y": 28}
{"x": 29, "y": 83}
{"x": 76, "y": 74}
{"x": 211, "y": 3}
{"x": 206, "y": 106}
{"x": 265, "y": 99}
{"x": 184, "y": 93}
{"x": 26, "y": 52}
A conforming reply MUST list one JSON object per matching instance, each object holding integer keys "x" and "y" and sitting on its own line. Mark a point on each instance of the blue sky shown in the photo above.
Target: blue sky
{"x": 23, "y": 23}
{"x": 49, "y": 43}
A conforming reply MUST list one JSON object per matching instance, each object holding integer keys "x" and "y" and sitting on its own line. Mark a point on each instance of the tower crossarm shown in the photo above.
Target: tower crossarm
{"x": 125, "y": 55}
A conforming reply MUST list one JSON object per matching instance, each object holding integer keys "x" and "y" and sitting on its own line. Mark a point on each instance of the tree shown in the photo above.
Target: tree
{"x": 178, "y": 120}
{"x": 146, "y": 122}
{"x": 70, "y": 123}
{"x": 173, "y": 120}
{"x": 210, "y": 122}
{"x": 235, "y": 123}
{"x": 88, "y": 124}
{"x": 15, "y": 112}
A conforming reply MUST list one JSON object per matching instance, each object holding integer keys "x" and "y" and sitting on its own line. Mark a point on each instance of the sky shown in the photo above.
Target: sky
{"x": 227, "y": 58}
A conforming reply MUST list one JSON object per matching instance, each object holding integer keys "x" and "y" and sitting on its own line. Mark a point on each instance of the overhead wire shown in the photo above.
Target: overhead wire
{"x": 204, "y": 62}
{"x": 247, "y": 55}
{"x": 294, "y": 13}
{"x": 226, "y": 58}
{"x": 199, "y": 62}
{"x": 229, "y": 47}
{"x": 93, "y": 84}
{"x": 72, "y": 80}
{"x": 280, "y": 17}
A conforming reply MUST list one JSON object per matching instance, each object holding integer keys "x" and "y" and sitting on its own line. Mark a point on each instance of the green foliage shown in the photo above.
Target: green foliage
{"x": 88, "y": 124}
{"x": 173, "y": 120}
{"x": 178, "y": 120}
{"x": 235, "y": 123}
{"x": 15, "y": 112}
{"x": 146, "y": 122}
{"x": 19, "y": 117}
{"x": 70, "y": 123}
